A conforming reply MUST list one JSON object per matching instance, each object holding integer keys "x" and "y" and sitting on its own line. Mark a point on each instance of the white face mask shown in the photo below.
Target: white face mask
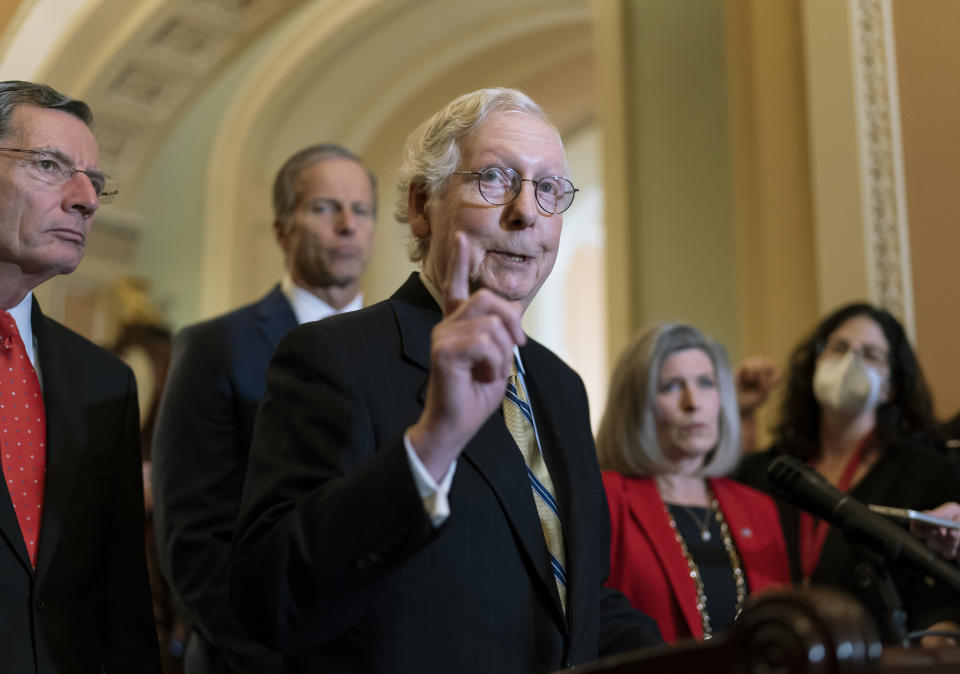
{"x": 846, "y": 384}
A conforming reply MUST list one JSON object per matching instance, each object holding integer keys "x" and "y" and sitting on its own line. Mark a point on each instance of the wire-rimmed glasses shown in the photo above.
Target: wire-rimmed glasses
{"x": 499, "y": 185}
{"x": 54, "y": 168}
{"x": 869, "y": 353}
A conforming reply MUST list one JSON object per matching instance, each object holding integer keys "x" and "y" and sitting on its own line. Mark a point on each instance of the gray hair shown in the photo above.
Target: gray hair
{"x": 627, "y": 441}
{"x": 18, "y": 92}
{"x": 433, "y": 151}
{"x": 284, "y": 189}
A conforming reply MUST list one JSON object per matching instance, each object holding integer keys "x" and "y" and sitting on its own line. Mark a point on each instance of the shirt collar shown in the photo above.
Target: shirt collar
{"x": 432, "y": 289}
{"x": 516, "y": 355}
{"x": 435, "y": 293}
{"x": 308, "y": 307}
{"x": 21, "y": 316}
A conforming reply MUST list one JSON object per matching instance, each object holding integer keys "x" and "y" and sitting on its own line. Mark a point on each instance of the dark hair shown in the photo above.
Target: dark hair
{"x": 17, "y": 92}
{"x": 284, "y": 190}
{"x": 907, "y": 415}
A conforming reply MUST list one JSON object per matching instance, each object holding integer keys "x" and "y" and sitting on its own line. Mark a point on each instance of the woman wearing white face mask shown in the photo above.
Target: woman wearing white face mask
{"x": 857, "y": 410}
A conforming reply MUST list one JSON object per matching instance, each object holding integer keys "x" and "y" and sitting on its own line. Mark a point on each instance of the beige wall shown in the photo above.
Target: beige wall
{"x": 676, "y": 245}
{"x": 928, "y": 60}
{"x": 709, "y": 199}
{"x": 7, "y": 10}
{"x": 776, "y": 270}
{"x": 772, "y": 173}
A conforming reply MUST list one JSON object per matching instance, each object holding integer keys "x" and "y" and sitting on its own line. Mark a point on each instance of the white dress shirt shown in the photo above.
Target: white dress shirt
{"x": 308, "y": 307}
{"x": 21, "y": 316}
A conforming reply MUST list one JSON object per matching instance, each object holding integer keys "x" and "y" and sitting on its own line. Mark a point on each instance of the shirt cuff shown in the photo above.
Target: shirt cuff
{"x": 433, "y": 495}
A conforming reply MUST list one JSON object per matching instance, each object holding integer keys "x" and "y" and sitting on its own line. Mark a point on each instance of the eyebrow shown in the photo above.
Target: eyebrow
{"x": 507, "y": 162}
{"x": 58, "y": 154}
{"x": 66, "y": 159}
{"x": 335, "y": 200}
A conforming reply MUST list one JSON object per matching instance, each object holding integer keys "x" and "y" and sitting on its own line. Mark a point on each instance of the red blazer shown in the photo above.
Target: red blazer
{"x": 646, "y": 563}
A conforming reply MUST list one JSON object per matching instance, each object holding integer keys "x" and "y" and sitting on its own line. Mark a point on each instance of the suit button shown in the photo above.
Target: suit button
{"x": 39, "y": 603}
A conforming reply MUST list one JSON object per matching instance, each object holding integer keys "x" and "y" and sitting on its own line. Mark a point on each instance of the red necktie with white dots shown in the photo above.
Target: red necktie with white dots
{"x": 23, "y": 433}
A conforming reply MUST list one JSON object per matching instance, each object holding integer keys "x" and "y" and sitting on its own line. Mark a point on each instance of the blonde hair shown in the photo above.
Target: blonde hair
{"x": 627, "y": 440}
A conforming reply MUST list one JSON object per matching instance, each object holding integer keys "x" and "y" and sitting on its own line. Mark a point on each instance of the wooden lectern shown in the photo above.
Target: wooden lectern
{"x": 799, "y": 631}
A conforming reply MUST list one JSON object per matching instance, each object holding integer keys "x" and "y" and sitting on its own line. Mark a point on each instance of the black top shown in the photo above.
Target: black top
{"x": 951, "y": 433}
{"x": 712, "y": 560}
{"x": 951, "y": 429}
{"x": 915, "y": 477}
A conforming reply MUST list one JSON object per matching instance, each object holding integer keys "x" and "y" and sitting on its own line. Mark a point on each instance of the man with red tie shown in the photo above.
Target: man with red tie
{"x": 74, "y": 594}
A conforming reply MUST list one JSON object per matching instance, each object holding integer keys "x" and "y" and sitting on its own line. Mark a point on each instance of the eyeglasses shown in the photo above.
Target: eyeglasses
{"x": 51, "y": 167}
{"x": 500, "y": 185}
{"x": 869, "y": 353}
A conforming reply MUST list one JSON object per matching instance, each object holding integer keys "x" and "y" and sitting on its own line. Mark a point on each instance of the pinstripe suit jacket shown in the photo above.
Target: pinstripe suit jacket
{"x": 335, "y": 560}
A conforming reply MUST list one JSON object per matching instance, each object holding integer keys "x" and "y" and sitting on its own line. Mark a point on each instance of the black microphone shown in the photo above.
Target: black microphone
{"x": 806, "y": 489}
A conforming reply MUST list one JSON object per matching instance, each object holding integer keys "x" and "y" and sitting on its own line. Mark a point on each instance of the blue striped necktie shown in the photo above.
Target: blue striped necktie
{"x": 519, "y": 419}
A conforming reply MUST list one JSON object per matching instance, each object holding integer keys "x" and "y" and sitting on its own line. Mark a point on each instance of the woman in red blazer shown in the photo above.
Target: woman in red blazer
{"x": 688, "y": 544}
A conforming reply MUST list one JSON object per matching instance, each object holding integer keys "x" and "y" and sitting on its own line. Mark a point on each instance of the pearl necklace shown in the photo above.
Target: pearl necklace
{"x": 738, "y": 576}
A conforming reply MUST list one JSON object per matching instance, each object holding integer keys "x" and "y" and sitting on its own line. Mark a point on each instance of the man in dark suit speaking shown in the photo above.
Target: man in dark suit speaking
{"x": 74, "y": 594}
{"x": 423, "y": 494}
{"x": 324, "y": 212}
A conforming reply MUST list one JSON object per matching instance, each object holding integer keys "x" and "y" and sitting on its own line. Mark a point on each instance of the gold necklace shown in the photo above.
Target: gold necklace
{"x": 739, "y": 578}
{"x": 704, "y": 526}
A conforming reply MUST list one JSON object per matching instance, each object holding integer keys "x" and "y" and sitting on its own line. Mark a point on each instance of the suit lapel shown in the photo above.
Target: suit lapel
{"x": 275, "y": 317}
{"x": 64, "y": 401}
{"x": 656, "y": 528}
{"x": 492, "y": 452}
{"x": 416, "y": 313}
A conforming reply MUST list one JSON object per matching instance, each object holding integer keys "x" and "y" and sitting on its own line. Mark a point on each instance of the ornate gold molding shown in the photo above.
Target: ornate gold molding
{"x": 884, "y": 195}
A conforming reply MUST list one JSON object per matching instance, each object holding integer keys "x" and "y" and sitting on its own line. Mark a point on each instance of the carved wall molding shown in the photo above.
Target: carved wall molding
{"x": 170, "y": 53}
{"x": 884, "y": 193}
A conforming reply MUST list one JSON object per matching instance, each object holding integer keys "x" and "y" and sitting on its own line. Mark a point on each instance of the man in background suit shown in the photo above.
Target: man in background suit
{"x": 74, "y": 594}
{"x": 325, "y": 206}
{"x": 389, "y": 521}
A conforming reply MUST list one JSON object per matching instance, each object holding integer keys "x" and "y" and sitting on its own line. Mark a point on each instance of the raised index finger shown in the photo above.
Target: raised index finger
{"x": 457, "y": 288}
